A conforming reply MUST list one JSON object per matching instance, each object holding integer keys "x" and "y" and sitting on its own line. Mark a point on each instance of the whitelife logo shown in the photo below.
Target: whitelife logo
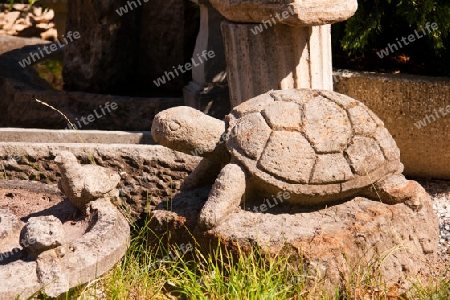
{"x": 131, "y": 4}
{"x": 92, "y": 117}
{"x": 53, "y": 47}
{"x": 187, "y": 67}
{"x": 432, "y": 118}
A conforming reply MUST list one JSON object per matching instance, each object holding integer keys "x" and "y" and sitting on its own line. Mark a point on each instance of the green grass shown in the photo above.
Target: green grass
{"x": 220, "y": 275}
{"x": 50, "y": 70}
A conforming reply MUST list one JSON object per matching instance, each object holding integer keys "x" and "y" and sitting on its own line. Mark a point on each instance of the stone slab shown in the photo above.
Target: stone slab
{"x": 293, "y": 12}
{"x": 32, "y": 135}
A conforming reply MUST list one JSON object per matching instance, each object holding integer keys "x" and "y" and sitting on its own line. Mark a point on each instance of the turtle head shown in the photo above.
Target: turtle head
{"x": 188, "y": 130}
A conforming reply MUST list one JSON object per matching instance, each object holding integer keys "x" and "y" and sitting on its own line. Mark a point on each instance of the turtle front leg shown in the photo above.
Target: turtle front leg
{"x": 397, "y": 189}
{"x": 225, "y": 196}
{"x": 203, "y": 175}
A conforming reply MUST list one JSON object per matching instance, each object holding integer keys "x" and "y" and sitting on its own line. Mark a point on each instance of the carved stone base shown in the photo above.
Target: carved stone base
{"x": 392, "y": 241}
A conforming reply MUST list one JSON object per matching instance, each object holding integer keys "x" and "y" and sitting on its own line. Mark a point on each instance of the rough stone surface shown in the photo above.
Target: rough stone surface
{"x": 51, "y": 272}
{"x": 392, "y": 190}
{"x": 9, "y": 228}
{"x": 84, "y": 183}
{"x": 108, "y": 240}
{"x": 18, "y": 270}
{"x": 42, "y": 234}
{"x": 8, "y": 223}
{"x": 294, "y": 13}
{"x": 364, "y": 155}
{"x": 283, "y": 116}
{"x": 204, "y": 174}
{"x": 225, "y": 195}
{"x": 288, "y": 148}
{"x": 399, "y": 101}
{"x": 254, "y": 104}
{"x": 149, "y": 174}
{"x": 386, "y": 144}
{"x": 363, "y": 124}
{"x": 32, "y": 135}
{"x": 324, "y": 129}
{"x": 331, "y": 168}
{"x": 326, "y": 125}
{"x": 251, "y": 135}
{"x": 396, "y": 241}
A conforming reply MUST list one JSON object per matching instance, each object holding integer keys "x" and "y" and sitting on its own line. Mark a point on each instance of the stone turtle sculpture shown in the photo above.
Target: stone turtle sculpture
{"x": 321, "y": 147}
{"x": 85, "y": 183}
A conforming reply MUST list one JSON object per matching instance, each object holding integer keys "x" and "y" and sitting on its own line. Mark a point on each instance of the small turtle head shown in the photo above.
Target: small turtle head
{"x": 188, "y": 130}
{"x": 65, "y": 157}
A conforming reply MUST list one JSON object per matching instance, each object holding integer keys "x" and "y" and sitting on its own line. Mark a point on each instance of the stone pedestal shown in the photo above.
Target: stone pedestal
{"x": 208, "y": 90}
{"x": 337, "y": 242}
{"x": 279, "y": 57}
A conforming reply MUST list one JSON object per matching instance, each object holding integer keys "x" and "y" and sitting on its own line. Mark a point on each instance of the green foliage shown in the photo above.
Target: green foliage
{"x": 378, "y": 22}
{"x": 50, "y": 70}
{"x": 11, "y": 2}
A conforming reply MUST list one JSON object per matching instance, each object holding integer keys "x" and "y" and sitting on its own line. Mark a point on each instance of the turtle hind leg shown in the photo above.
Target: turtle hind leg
{"x": 397, "y": 189}
{"x": 225, "y": 196}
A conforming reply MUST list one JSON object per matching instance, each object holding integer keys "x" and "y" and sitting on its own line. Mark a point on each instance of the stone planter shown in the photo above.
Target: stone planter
{"x": 60, "y": 252}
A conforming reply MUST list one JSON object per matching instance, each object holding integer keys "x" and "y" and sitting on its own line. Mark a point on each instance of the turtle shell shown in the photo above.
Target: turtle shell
{"x": 311, "y": 141}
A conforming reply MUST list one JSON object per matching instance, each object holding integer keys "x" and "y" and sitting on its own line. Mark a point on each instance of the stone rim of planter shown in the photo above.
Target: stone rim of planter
{"x": 298, "y": 12}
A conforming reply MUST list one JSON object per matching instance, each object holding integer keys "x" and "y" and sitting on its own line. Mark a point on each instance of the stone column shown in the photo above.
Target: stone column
{"x": 208, "y": 90}
{"x": 279, "y": 45}
{"x": 280, "y": 57}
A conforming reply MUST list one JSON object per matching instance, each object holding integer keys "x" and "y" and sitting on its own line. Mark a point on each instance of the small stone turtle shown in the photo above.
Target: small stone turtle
{"x": 85, "y": 183}
{"x": 320, "y": 146}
